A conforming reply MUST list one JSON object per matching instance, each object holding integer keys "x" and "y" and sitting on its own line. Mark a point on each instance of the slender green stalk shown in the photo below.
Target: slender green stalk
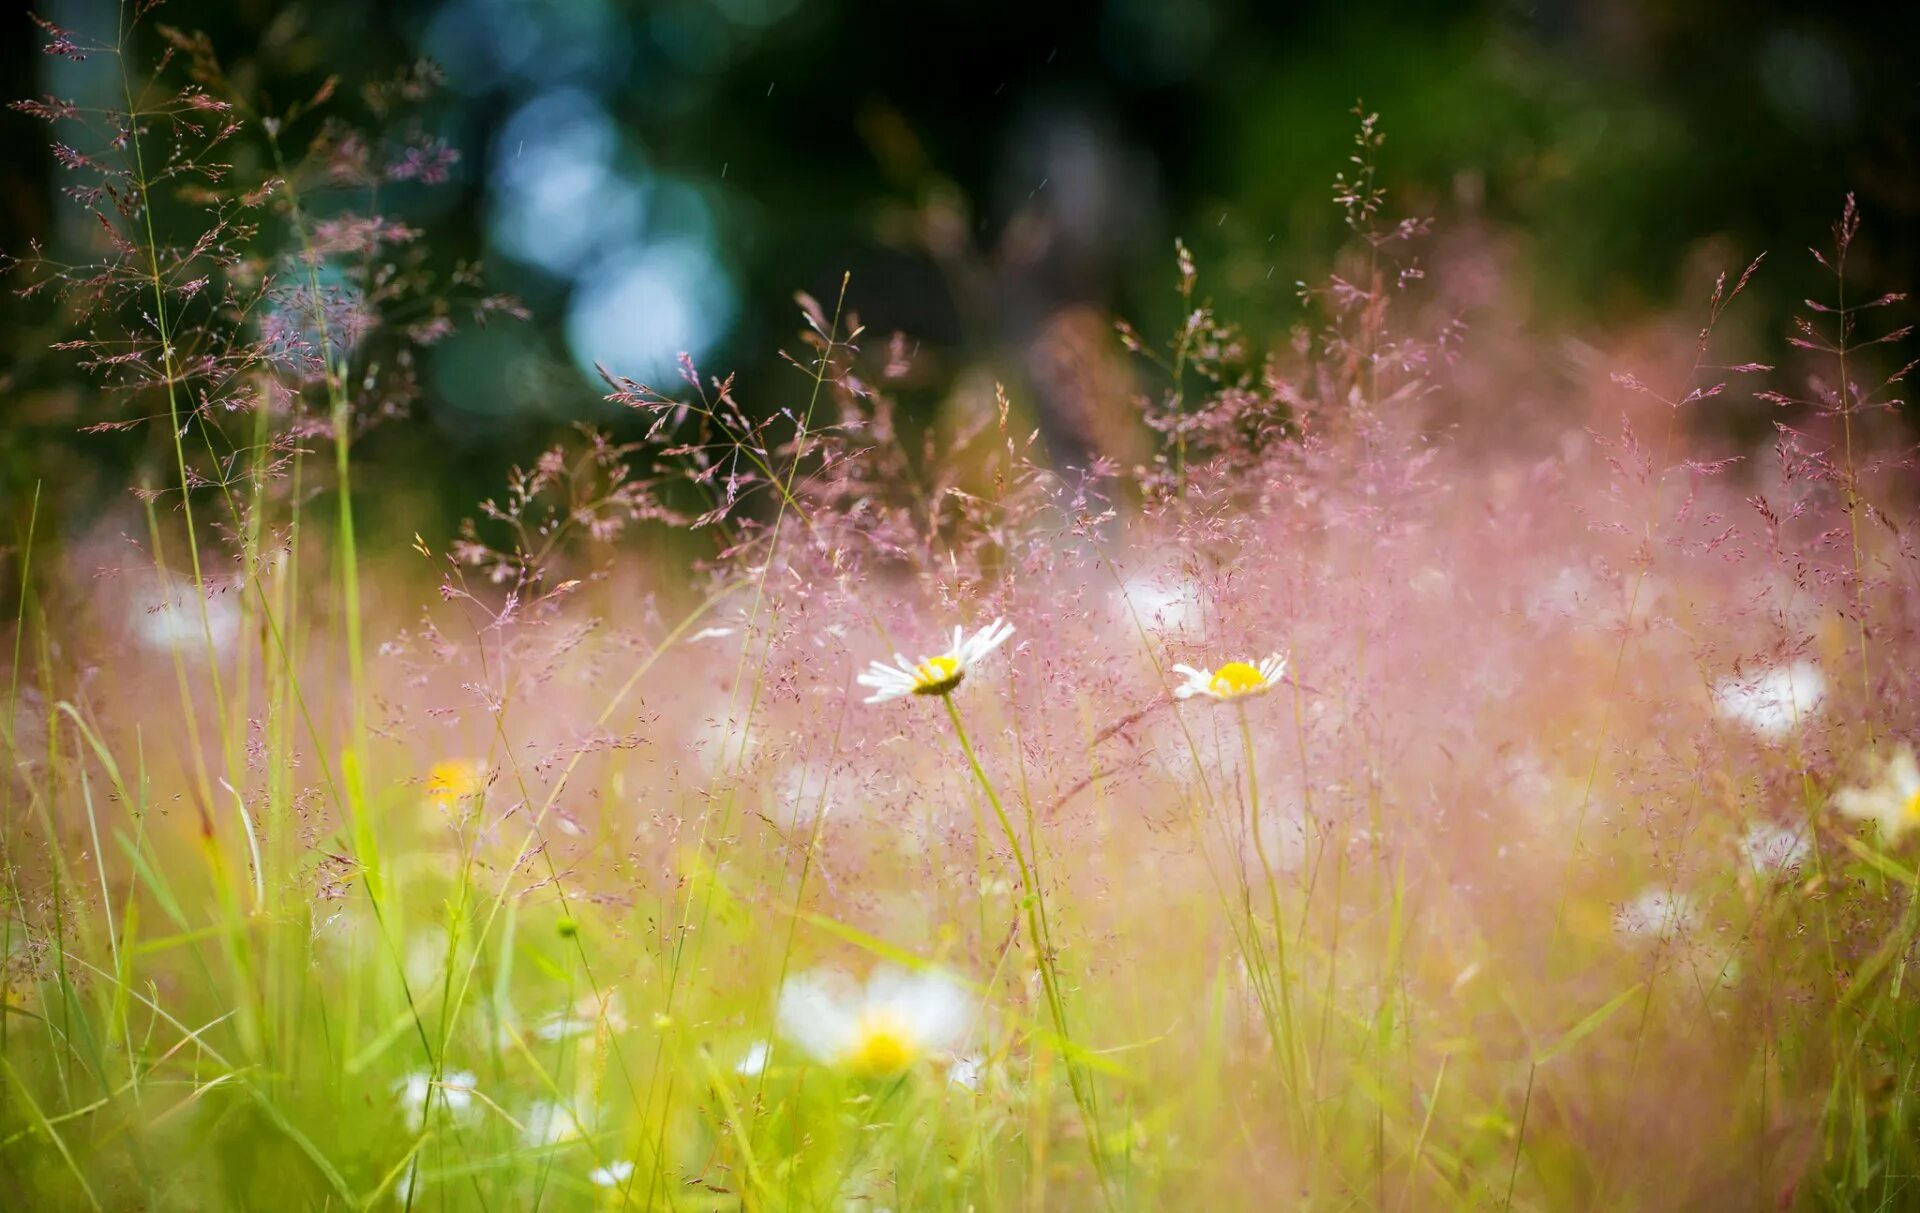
{"x": 1270, "y": 875}
{"x": 1030, "y": 903}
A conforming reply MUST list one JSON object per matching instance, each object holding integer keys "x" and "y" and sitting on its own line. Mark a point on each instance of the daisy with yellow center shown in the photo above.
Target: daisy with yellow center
{"x": 1892, "y": 802}
{"x": 933, "y": 675}
{"x": 1234, "y": 680}
{"x": 878, "y": 1030}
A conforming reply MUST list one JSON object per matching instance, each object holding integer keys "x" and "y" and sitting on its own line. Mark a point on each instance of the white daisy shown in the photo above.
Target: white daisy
{"x": 1234, "y": 680}
{"x": 1771, "y": 704}
{"x": 1892, "y": 801}
{"x": 933, "y": 675}
{"x": 612, "y": 1175}
{"x": 877, "y": 1030}
{"x": 1773, "y": 850}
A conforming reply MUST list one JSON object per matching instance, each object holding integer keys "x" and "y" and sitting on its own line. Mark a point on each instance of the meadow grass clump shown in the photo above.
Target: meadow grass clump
{"x": 1336, "y": 809}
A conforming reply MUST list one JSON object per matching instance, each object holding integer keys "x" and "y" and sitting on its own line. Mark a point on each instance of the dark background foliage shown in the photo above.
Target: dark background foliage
{"x": 658, "y": 175}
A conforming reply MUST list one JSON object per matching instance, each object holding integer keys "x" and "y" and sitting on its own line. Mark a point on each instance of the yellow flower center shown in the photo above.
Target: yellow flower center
{"x": 936, "y": 676}
{"x": 452, "y": 780}
{"x": 883, "y": 1046}
{"x": 1236, "y": 678}
{"x": 1911, "y": 812}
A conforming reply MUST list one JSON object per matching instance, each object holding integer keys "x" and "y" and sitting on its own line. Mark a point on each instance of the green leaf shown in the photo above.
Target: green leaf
{"x": 1585, "y": 1028}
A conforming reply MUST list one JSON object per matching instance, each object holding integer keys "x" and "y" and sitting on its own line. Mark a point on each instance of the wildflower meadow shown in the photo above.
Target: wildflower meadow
{"x": 1431, "y": 764}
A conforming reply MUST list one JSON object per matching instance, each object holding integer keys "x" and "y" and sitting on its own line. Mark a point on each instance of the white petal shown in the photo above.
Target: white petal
{"x": 932, "y": 1005}
{"x": 755, "y": 1061}
{"x": 1904, "y": 773}
{"x": 886, "y": 679}
{"x": 817, "y": 1011}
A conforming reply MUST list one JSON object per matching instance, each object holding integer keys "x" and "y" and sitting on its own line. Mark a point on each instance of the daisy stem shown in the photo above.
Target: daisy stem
{"x": 1030, "y": 902}
{"x": 1273, "y": 897}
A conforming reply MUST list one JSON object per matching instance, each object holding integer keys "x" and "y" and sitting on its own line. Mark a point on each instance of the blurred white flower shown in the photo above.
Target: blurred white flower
{"x": 1659, "y": 913}
{"x": 548, "y": 1122}
{"x": 584, "y": 1018}
{"x": 1234, "y": 680}
{"x": 1772, "y": 849}
{"x": 426, "y": 956}
{"x": 724, "y": 737}
{"x": 415, "y": 1090}
{"x": 1891, "y": 801}
{"x": 806, "y": 789}
{"x": 1564, "y": 594}
{"x": 933, "y": 675}
{"x": 1548, "y": 799}
{"x": 1773, "y": 702}
{"x": 612, "y": 1175}
{"x": 558, "y": 1026}
{"x": 1159, "y": 605}
{"x": 967, "y": 1072}
{"x": 755, "y": 1060}
{"x": 879, "y": 1029}
{"x": 171, "y": 617}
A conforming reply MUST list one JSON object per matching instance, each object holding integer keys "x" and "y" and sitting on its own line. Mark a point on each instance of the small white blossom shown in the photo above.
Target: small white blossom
{"x": 612, "y": 1175}
{"x": 414, "y": 1092}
